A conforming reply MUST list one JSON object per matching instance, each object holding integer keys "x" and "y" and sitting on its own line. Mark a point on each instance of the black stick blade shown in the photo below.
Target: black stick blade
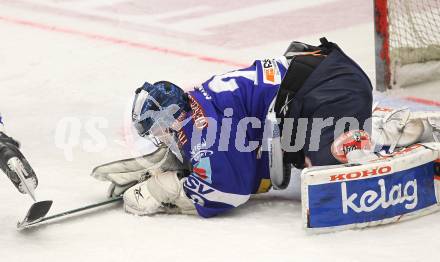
{"x": 37, "y": 211}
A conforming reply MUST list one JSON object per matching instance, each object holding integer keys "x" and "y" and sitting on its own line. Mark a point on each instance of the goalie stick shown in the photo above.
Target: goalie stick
{"x": 37, "y": 212}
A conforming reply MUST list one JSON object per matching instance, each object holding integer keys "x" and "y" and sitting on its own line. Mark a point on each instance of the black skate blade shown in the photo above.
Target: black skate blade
{"x": 37, "y": 212}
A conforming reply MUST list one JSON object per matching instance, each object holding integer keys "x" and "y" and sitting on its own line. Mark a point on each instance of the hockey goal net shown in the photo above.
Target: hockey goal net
{"x": 407, "y": 42}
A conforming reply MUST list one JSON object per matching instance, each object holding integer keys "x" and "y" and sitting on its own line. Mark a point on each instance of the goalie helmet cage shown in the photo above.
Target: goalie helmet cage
{"x": 407, "y": 39}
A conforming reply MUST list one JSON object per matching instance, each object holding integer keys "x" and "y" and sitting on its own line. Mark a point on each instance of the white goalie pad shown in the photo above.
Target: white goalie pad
{"x": 401, "y": 127}
{"x": 391, "y": 188}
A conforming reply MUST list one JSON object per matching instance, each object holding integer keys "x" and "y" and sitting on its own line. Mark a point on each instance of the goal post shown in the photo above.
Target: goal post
{"x": 407, "y": 39}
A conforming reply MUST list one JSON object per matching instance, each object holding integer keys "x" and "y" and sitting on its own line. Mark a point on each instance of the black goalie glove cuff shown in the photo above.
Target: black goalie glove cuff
{"x": 15, "y": 165}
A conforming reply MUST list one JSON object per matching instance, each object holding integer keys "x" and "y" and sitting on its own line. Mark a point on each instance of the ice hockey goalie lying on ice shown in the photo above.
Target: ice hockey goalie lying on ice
{"x": 239, "y": 133}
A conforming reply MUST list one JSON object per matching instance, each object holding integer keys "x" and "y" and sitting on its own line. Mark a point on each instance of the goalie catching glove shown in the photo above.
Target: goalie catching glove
{"x": 150, "y": 184}
{"x": 391, "y": 128}
{"x": 401, "y": 127}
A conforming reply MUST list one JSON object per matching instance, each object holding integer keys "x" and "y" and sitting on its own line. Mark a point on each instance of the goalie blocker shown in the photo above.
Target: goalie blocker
{"x": 391, "y": 188}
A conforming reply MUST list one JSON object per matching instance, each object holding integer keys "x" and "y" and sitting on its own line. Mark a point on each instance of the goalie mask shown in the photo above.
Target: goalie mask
{"x": 156, "y": 109}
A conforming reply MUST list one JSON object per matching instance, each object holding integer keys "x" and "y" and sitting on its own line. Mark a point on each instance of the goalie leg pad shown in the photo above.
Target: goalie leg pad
{"x": 394, "y": 187}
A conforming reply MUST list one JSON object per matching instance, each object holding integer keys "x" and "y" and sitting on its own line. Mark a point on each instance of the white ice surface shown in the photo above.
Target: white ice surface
{"x": 47, "y": 75}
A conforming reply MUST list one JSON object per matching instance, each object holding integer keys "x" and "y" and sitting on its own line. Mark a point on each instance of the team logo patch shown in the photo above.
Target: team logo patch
{"x": 200, "y": 151}
{"x": 203, "y": 169}
{"x": 271, "y": 74}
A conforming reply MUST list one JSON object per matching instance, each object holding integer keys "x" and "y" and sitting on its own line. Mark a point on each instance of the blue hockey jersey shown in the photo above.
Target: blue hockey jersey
{"x": 223, "y": 138}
